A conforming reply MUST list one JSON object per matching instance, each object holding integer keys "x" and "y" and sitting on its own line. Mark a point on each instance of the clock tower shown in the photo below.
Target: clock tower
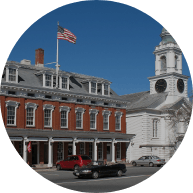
{"x": 168, "y": 70}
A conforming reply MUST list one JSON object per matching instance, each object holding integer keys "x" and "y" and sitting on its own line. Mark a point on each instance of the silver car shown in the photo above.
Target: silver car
{"x": 149, "y": 161}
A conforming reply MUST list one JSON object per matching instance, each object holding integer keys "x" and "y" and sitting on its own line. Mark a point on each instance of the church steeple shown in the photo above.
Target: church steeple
{"x": 168, "y": 55}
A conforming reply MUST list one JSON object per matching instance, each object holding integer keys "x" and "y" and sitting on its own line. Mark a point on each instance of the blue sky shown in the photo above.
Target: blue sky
{"x": 114, "y": 41}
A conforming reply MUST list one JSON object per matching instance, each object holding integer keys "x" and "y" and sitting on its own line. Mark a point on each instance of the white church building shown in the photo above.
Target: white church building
{"x": 147, "y": 116}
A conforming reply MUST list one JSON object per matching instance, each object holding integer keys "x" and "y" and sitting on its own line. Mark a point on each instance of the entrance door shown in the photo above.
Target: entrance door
{"x": 45, "y": 153}
{"x": 69, "y": 149}
{"x": 34, "y": 153}
{"x": 109, "y": 156}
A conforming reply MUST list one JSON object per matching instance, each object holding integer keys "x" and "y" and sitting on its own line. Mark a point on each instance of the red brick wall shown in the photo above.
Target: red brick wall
{"x": 39, "y": 115}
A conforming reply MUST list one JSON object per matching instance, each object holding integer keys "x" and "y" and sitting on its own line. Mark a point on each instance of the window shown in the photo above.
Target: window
{"x": 64, "y": 83}
{"x": 60, "y": 151}
{"x": 106, "y": 89}
{"x": 30, "y": 94}
{"x": 12, "y": 73}
{"x": 30, "y": 117}
{"x": 93, "y": 113}
{"x": 48, "y": 80}
{"x": 85, "y": 157}
{"x": 48, "y": 115}
{"x": 64, "y": 110}
{"x": 11, "y": 112}
{"x": 90, "y": 150}
{"x": 48, "y": 96}
{"x": 106, "y": 115}
{"x": 176, "y": 62}
{"x": 163, "y": 63}
{"x": 78, "y": 120}
{"x": 12, "y": 92}
{"x": 93, "y": 87}
{"x": 155, "y": 121}
{"x": 93, "y": 102}
{"x": 106, "y": 104}
{"x": 64, "y": 98}
{"x": 118, "y": 105}
{"x": 118, "y": 116}
{"x": 79, "y": 117}
{"x": 100, "y": 151}
{"x": 81, "y": 148}
{"x": 11, "y": 115}
{"x": 118, "y": 150}
{"x": 30, "y": 113}
{"x": 79, "y": 100}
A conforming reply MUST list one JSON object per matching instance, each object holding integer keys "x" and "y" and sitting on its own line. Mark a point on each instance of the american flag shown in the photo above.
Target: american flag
{"x": 65, "y": 34}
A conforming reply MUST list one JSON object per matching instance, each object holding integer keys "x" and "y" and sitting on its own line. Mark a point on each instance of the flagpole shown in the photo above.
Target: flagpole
{"x": 57, "y": 66}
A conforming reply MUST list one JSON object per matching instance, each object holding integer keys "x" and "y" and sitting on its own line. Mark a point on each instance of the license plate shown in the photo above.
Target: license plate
{"x": 77, "y": 174}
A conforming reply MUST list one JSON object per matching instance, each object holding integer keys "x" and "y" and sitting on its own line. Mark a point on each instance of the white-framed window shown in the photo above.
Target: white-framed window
{"x": 12, "y": 73}
{"x": 48, "y": 109}
{"x": 155, "y": 128}
{"x": 79, "y": 117}
{"x": 60, "y": 151}
{"x": 30, "y": 114}
{"x": 163, "y": 63}
{"x": 64, "y": 82}
{"x": 64, "y": 110}
{"x": 118, "y": 151}
{"x": 106, "y": 89}
{"x": 100, "y": 151}
{"x": 106, "y": 115}
{"x": 93, "y": 87}
{"x": 11, "y": 112}
{"x": 118, "y": 116}
{"x": 48, "y": 80}
{"x": 82, "y": 148}
{"x": 93, "y": 118}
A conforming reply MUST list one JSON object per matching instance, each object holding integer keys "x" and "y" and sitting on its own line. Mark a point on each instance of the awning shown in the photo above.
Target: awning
{"x": 157, "y": 145}
{"x": 55, "y": 139}
{"x": 85, "y": 140}
{"x": 104, "y": 140}
{"x": 16, "y": 138}
{"x": 37, "y": 139}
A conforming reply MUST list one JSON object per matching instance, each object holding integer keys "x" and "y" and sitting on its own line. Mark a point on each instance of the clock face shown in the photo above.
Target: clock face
{"x": 160, "y": 85}
{"x": 180, "y": 85}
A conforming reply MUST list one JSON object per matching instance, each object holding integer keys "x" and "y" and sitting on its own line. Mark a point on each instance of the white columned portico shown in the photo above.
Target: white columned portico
{"x": 113, "y": 150}
{"x": 50, "y": 163}
{"x": 74, "y": 146}
{"x": 95, "y": 149}
{"x": 25, "y": 140}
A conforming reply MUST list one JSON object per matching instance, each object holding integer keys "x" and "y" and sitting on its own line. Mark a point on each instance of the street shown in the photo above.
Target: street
{"x": 65, "y": 178}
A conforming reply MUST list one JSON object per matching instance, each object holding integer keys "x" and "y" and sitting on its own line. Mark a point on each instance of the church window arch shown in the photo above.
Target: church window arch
{"x": 155, "y": 128}
{"x": 176, "y": 62}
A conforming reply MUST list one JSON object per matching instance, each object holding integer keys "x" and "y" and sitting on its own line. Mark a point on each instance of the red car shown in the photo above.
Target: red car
{"x": 73, "y": 162}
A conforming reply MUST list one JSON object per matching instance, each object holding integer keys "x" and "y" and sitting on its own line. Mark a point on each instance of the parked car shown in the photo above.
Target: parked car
{"x": 149, "y": 161}
{"x": 73, "y": 162}
{"x": 98, "y": 169}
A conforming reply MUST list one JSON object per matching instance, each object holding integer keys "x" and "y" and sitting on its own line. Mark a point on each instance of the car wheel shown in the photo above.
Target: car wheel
{"x": 58, "y": 167}
{"x": 76, "y": 167}
{"x": 95, "y": 175}
{"x": 134, "y": 164}
{"x": 151, "y": 164}
{"x": 119, "y": 173}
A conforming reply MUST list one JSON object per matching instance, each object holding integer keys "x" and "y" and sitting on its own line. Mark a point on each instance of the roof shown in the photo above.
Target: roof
{"x": 29, "y": 76}
{"x": 143, "y": 100}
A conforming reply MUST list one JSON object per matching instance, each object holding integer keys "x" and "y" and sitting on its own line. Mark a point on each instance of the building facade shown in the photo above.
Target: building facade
{"x": 82, "y": 115}
{"x": 148, "y": 113}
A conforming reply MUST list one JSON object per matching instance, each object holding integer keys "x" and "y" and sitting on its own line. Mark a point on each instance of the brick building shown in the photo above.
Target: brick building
{"x": 83, "y": 115}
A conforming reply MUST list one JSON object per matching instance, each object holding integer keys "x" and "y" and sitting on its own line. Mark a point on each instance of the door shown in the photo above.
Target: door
{"x": 69, "y": 149}
{"x": 45, "y": 153}
{"x": 109, "y": 156}
{"x": 34, "y": 153}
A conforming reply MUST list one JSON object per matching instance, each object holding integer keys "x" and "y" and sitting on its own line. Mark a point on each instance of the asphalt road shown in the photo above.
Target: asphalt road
{"x": 134, "y": 175}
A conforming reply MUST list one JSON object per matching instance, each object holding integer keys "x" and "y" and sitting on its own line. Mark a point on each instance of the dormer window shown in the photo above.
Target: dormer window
{"x": 48, "y": 80}
{"x": 93, "y": 87}
{"x": 106, "y": 89}
{"x": 64, "y": 82}
{"x": 12, "y": 73}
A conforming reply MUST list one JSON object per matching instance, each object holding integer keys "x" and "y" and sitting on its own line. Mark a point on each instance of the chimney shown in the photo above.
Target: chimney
{"x": 39, "y": 57}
